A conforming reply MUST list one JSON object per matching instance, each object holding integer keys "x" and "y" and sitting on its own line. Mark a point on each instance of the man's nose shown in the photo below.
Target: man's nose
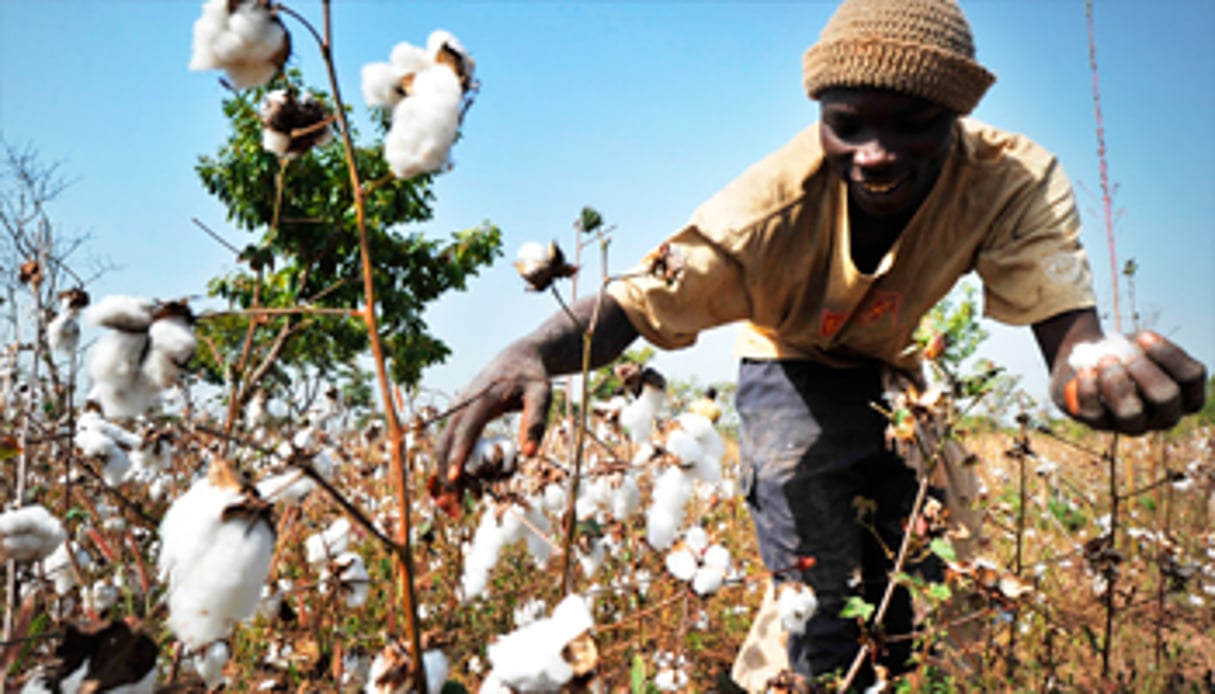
{"x": 873, "y": 153}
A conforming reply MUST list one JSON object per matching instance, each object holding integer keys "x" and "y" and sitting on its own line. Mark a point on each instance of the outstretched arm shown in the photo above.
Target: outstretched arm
{"x": 518, "y": 379}
{"x": 1149, "y": 392}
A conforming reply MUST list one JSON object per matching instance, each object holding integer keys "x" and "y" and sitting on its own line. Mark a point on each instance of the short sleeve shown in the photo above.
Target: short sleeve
{"x": 1033, "y": 266}
{"x": 703, "y": 287}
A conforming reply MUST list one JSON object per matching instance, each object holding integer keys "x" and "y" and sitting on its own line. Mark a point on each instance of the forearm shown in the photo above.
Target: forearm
{"x": 559, "y": 340}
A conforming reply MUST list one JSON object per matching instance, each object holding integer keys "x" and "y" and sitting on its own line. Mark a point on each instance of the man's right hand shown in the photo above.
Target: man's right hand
{"x": 518, "y": 379}
{"x": 515, "y": 380}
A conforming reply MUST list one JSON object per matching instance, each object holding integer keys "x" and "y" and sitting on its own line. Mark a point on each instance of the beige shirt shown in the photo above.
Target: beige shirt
{"x": 772, "y": 249}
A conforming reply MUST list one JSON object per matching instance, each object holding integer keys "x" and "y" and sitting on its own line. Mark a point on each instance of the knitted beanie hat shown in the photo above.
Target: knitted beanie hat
{"x": 921, "y": 48}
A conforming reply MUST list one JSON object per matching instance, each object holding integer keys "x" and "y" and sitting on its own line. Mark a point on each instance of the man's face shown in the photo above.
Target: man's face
{"x": 888, "y": 148}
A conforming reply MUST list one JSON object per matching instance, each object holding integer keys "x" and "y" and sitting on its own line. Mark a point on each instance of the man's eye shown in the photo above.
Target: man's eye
{"x": 844, "y": 127}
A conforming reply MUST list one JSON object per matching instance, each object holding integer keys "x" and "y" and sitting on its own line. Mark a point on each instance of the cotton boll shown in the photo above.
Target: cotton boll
{"x": 210, "y": 664}
{"x": 661, "y": 527}
{"x": 709, "y": 444}
{"x": 530, "y": 659}
{"x": 117, "y": 464}
{"x": 481, "y": 557}
{"x": 381, "y": 85}
{"x": 493, "y": 456}
{"x": 670, "y": 679}
{"x": 424, "y": 125}
{"x": 330, "y": 542}
{"x": 63, "y": 332}
{"x": 119, "y": 312}
{"x": 796, "y": 604}
{"x": 626, "y": 498}
{"x": 697, "y": 539}
{"x": 681, "y": 564}
{"x": 1087, "y": 355}
{"x": 100, "y": 596}
{"x": 58, "y": 568}
{"x": 116, "y": 356}
{"x": 409, "y": 59}
{"x": 288, "y": 487}
{"x": 437, "y": 667}
{"x": 353, "y": 578}
{"x": 554, "y": 497}
{"x": 637, "y": 417}
{"x": 173, "y": 336}
{"x": 214, "y": 568}
{"x": 29, "y": 534}
{"x": 672, "y": 490}
{"x": 707, "y": 580}
{"x": 717, "y": 556}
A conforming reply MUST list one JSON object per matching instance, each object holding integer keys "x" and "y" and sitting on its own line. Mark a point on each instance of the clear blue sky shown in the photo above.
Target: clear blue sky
{"x": 642, "y": 109}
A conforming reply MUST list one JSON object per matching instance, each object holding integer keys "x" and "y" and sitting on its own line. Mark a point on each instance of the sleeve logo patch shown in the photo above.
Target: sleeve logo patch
{"x": 1061, "y": 268}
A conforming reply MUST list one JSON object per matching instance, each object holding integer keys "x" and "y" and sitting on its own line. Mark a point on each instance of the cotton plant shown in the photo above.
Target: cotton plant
{"x": 697, "y": 561}
{"x": 533, "y": 658}
{"x": 29, "y": 534}
{"x": 57, "y": 567}
{"x": 217, "y": 541}
{"x": 244, "y": 38}
{"x": 424, "y": 89}
{"x": 291, "y": 124}
{"x": 141, "y": 353}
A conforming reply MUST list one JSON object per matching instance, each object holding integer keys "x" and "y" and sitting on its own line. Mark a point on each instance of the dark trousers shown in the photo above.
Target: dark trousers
{"x": 811, "y": 446}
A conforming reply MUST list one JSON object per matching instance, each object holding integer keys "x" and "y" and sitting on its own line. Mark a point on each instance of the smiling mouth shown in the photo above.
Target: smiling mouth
{"x": 879, "y": 187}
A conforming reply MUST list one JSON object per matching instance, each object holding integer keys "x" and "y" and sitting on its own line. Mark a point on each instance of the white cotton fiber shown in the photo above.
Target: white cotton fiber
{"x": 682, "y": 564}
{"x": 381, "y": 85}
{"x": 530, "y": 659}
{"x": 210, "y": 664}
{"x": 121, "y": 312}
{"x": 63, "y": 332}
{"x": 352, "y": 577}
{"x": 29, "y": 534}
{"x": 173, "y": 336}
{"x": 1087, "y": 355}
{"x": 672, "y": 490}
{"x": 409, "y": 59}
{"x": 246, "y": 43}
{"x": 481, "y": 557}
{"x": 711, "y": 447}
{"x": 796, "y": 604}
{"x": 214, "y": 568}
{"x": 330, "y": 542}
{"x": 288, "y": 487}
{"x": 708, "y": 580}
{"x": 637, "y": 417}
{"x": 424, "y": 125}
{"x": 626, "y": 498}
{"x": 591, "y": 560}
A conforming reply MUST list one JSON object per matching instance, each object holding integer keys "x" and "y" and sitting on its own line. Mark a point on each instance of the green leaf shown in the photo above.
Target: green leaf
{"x": 590, "y": 220}
{"x": 941, "y": 547}
{"x": 453, "y": 687}
{"x": 857, "y": 607}
{"x": 939, "y": 591}
{"x": 637, "y": 676}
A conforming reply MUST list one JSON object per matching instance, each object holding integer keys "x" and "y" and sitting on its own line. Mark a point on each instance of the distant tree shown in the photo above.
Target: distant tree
{"x": 305, "y": 254}
{"x": 36, "y": 262}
